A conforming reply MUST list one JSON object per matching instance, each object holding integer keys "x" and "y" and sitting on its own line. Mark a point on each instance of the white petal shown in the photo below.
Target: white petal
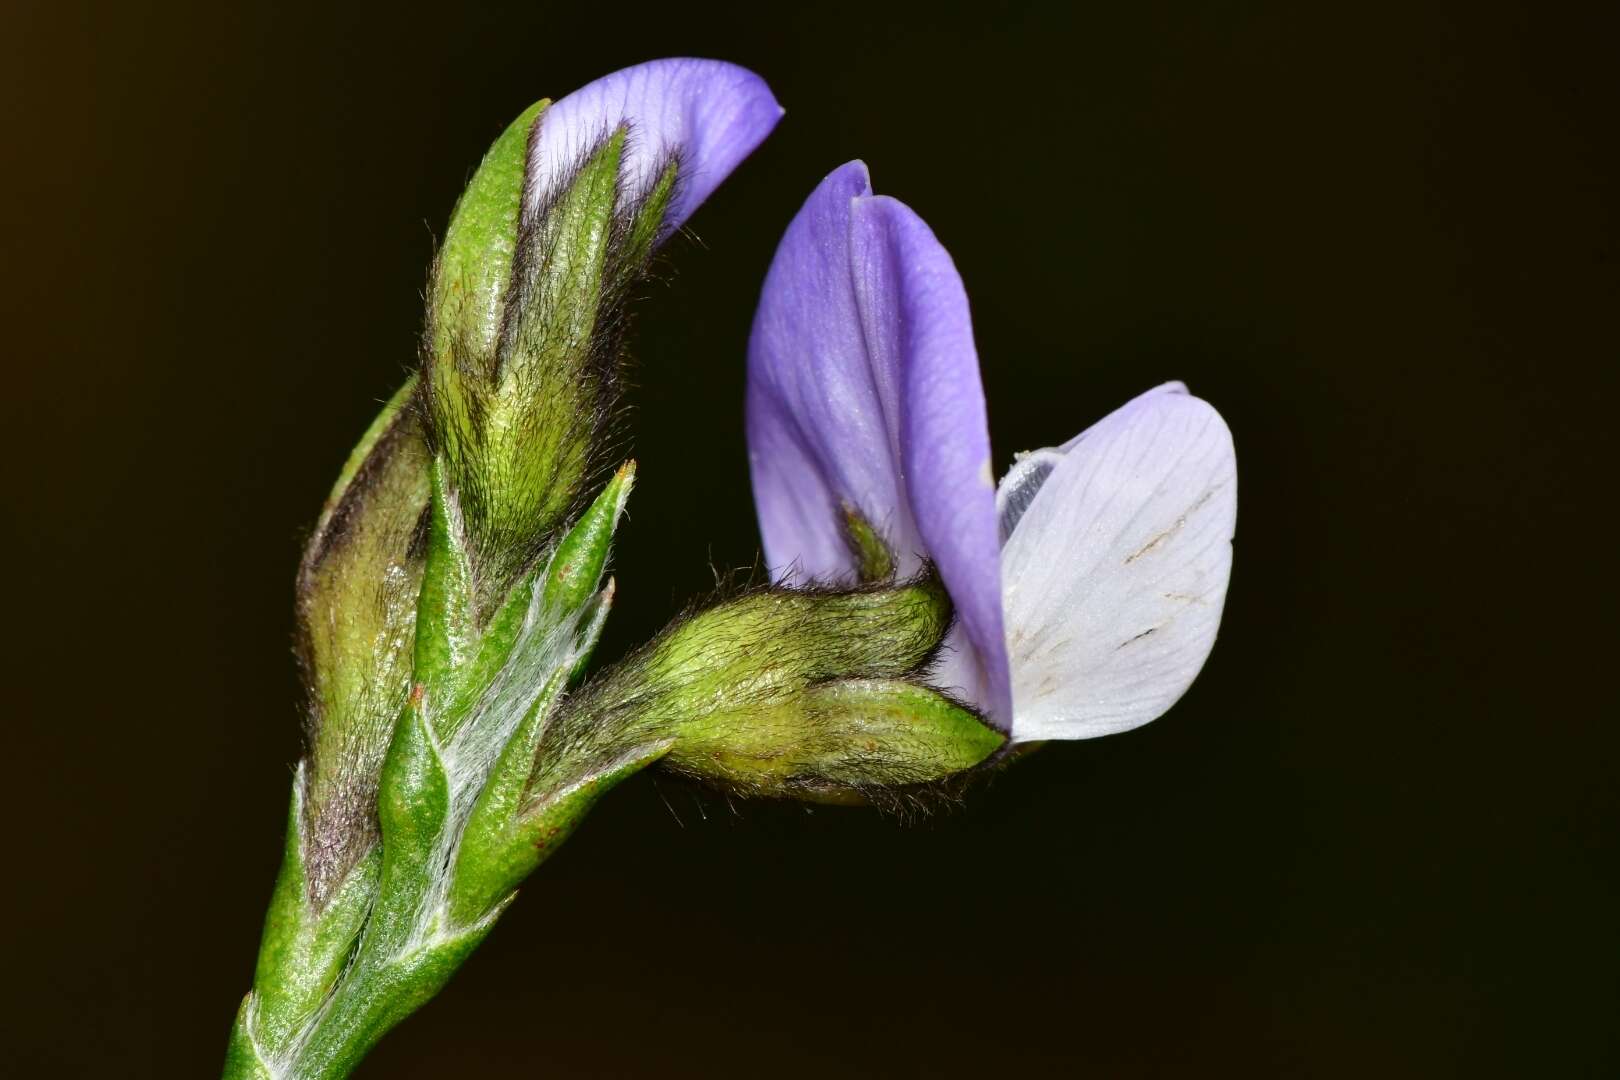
{"x": 1114, "y": 577}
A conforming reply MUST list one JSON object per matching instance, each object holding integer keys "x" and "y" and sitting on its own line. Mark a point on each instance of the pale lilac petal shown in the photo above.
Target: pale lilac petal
{"x": 1030, "y": 471}
{"x": 919, "y": 334}
{"x": 820, "y": 434}
{"x": 709, "y": 114}
{"x": 1116, "y": 571}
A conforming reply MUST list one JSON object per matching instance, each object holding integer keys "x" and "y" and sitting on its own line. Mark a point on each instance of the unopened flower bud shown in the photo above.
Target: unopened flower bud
{"x": 527, "y": 299}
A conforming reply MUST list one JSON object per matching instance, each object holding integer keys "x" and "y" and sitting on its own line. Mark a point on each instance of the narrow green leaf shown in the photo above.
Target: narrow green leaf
{"x": 474, "y": 268}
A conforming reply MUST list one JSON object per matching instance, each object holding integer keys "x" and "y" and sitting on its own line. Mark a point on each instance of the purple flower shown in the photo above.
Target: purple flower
{"x": 1088, "y": 587}
{"x": 708, "y": 114}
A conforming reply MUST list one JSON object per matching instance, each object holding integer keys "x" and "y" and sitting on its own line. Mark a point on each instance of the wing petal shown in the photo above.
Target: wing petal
{"x": 1115, "y": 575}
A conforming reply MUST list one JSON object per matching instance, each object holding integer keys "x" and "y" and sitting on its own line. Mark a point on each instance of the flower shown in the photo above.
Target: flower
{"x": 1088, "y": 587}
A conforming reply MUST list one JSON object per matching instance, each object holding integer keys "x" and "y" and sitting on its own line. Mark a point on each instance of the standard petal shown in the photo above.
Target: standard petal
{"x": 1115, "y": 575}
{"x": 820, "y": 435}
{"x": 708, "y": 114}
{"x": 919, "y": 333}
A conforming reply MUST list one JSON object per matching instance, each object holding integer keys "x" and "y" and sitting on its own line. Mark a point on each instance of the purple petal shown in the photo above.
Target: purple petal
{"x": 914, "y": 311}
{"x": 863, "y": 391}
{"x": 820, "y": 432}
{"x": 708, "y": 113}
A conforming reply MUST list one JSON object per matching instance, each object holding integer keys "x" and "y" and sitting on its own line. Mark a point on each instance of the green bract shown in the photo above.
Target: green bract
{"x": 357, "y": 599}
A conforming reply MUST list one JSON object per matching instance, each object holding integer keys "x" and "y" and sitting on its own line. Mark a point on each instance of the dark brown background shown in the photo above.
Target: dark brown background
{"x": 1376, "y": 838}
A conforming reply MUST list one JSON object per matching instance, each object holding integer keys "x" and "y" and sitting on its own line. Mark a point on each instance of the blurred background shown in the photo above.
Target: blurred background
{"x": 1378, "y": 835}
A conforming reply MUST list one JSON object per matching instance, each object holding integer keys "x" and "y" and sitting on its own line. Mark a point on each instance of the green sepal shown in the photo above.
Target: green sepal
{"x": 838, "y": 738}
{"x": 648, "y": 228}
{"x": 745, "y": 660}
{"x": 577, "y": 566}
{"x": 536, "y": 433}
{"x": 517, "y": 424}
{"x": 918, "y": 730}
{"x": 557, "y": 318}
{"x": 474, "y": 267}
{"x": 305, "y": 946}
{"x": 798, "y": 693}
{"x": 784, "y": 638}
{"x": 413, "y": 806}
